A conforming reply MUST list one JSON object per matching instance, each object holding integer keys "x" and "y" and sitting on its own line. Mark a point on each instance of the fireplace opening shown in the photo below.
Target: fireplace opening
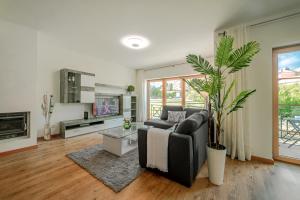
{"x": 14, "y": 125}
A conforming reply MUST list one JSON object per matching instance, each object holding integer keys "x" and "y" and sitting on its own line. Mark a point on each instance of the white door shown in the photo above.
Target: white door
{"x": 87, "y": 97}
{"x": 127, "y": 102}
{"x": 127, "y": 107}
{"x": 88, "y": 80}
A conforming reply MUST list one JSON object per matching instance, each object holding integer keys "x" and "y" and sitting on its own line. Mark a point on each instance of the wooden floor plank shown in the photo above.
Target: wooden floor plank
{"x": 46, "y": 173}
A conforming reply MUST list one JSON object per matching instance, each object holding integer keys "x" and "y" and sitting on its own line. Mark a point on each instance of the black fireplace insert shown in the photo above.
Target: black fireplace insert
{"x": 14, "y": 125}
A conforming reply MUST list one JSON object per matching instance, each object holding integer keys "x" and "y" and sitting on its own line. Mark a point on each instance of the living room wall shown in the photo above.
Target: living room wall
{"x": 183, "y": 69}
{"x": 18, "y": 77}
{"x": 276, "y": 34}
{"x": 52, "y": 57}
{"x": 30, "y": 64}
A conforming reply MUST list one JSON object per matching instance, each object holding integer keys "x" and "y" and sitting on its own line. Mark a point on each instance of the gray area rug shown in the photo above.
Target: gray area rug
{"x": 115, "y": 172}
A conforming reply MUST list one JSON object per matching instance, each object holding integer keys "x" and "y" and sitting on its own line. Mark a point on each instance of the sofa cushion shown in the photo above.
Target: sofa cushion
{"x": 176, "y": 116}
{"x": 204, "y": 113}
{"x": 190, "y": 111}
{"x": 157, "y": 123}
{"x": 164, "y": 112}
{"x": 190, "y": 124}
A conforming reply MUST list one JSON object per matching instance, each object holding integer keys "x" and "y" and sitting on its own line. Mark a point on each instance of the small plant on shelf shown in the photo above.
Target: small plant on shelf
{"x": 130, "y": 89}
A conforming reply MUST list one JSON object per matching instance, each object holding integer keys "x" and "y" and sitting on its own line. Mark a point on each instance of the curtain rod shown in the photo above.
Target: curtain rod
{"x": 274, "y": 19}
{"x": 170, "y": 65}
{"x": 160, "y": 67}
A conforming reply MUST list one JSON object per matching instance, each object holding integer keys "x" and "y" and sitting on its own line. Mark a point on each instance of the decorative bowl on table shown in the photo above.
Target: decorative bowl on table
{"x": 127, "y": 124}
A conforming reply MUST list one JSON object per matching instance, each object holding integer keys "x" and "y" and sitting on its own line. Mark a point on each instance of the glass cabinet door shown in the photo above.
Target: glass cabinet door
{"x": 73, "y": 87}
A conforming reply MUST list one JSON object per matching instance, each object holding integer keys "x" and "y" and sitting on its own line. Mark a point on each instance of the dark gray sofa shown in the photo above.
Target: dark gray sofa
{"x": 186, "y": 150}
{"x": 163, "y": 123}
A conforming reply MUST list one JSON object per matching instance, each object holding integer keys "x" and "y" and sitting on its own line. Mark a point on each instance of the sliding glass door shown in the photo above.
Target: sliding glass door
{"x": 171, "y": 91}
{"x": 286, "y": 104}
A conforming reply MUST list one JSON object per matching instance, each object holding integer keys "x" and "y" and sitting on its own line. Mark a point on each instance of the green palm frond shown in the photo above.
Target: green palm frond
{"x": 224, "y": 51}
{"x": 217, "y": 83}
{"x": 199, "y": 85}
{"x": 238, "y": 102}
{"x": 201, "y": 65}
{"x": 214, "y": 103}
{"x": 242, "y": 57}
{"x": 204, "y": 85}
{"x": 225, "y": 97}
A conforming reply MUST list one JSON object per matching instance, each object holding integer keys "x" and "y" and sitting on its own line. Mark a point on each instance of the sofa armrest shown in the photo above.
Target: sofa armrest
{"x": 142, "y": 146}
{"x": 180, "y": 158}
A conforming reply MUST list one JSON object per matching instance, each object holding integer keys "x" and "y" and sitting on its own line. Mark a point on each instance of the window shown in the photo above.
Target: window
{"x": 171, "y": 91}
{"x": 155, "y": 98}
{"x": 193, "y": 99}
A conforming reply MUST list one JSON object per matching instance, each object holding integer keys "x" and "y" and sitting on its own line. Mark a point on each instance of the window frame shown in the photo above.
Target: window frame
{"x": 164, "y": 81}
{"x": 275, "y": 104}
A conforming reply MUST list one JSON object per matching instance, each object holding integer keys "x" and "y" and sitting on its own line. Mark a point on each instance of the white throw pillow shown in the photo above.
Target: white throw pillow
{"x": 176, "y": 116}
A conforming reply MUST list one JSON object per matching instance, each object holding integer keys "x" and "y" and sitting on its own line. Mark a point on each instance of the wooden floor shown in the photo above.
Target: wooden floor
{"x": 285, "y": 150}
{"x": 46, "y": 173}
{"x": 293, "y": 151}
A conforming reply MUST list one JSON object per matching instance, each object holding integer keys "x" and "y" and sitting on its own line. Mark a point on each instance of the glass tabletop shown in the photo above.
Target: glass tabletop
{"x": 120, "y": 132}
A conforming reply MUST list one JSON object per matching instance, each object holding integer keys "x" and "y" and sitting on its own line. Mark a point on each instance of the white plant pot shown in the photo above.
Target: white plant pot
{"x": 216, "y": 165}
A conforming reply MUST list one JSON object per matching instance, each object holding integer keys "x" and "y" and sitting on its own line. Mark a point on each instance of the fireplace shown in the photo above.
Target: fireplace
{"x": 13, "y": 125}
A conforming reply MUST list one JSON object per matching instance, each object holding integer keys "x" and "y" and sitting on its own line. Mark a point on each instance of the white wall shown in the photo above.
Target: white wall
{"x": 171, "y": 71}
{"x": 30, "y": 63}
{"x": 52, "y": 57}
{"x": 276, "y": 34}
{"x": 18, "y": 67}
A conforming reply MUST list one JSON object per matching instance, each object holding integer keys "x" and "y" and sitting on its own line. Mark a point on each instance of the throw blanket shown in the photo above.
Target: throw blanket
{"x": 157, "y": 148}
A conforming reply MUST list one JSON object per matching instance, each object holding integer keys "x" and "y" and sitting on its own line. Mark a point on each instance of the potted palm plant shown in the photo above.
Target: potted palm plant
{"x": 227, "y": 61}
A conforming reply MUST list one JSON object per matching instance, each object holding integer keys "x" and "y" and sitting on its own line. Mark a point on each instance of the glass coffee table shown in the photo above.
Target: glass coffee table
{"x": 119, "y": 141}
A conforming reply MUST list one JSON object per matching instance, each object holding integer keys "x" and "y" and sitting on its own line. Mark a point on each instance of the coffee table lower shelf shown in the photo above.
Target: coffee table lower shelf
{"x": 118, "y": 146}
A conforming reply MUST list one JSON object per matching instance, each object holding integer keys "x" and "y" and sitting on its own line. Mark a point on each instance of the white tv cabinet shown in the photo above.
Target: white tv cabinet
{"x": 73, "y": 128}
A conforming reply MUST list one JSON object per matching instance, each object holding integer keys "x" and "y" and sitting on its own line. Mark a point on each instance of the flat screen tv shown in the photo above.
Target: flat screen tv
{"x": 106, "y": 105}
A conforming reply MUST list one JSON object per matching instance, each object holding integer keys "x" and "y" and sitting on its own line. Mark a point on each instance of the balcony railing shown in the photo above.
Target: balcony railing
{"x": 287, "y": 112}
{"x": 155, "y": 111}
{"x": 156, "y": 106}
{"x": 289, "y": 126}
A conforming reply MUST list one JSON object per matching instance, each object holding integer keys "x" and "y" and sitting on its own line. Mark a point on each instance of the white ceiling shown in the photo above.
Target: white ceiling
{"x": 174, "y": 27}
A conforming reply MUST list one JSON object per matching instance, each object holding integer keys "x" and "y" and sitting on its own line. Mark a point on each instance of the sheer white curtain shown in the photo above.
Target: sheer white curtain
{"x": 236, "y": 135}
{"x": 141, "y": 91}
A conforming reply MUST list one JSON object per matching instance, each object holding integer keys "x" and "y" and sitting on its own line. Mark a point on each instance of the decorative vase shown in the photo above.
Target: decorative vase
{"x": 47, "y": 132}
{"x": 216, "y": 164}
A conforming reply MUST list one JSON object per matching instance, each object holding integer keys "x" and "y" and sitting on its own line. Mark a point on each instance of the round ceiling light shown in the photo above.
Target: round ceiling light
{"x": 135, "y": 42}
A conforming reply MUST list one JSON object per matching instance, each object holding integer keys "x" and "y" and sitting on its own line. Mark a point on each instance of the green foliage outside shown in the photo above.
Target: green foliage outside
{"x": 193, "y": 99}
{"x": 289, "y": 100}
{"x": 155, "y": 92}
